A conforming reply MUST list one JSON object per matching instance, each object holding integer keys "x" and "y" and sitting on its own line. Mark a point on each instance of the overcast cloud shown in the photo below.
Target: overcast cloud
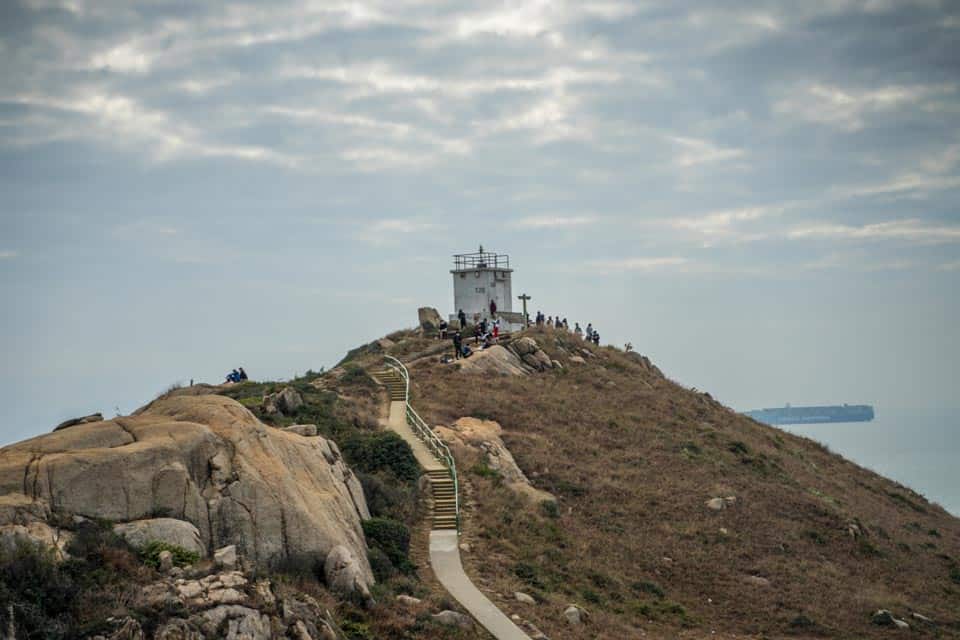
{"x": 760, "y": 195}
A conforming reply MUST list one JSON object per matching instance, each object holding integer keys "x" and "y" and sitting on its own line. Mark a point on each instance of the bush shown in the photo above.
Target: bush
{"x": 383, "y": 568}
{"x": 356, "y": 375}
{"x": 393, "y": 539}
{"x": 387, "y": 498}
{"x": 181, "y": 557}
{"x": 383, "y": 451}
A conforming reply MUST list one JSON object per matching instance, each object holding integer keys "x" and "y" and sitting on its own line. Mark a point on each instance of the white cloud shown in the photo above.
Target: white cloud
{"x": 8, "y": 254}
{"x": 553, "y": 222}
{"x": 637, "y": 264}
{"x": 693, "y": 151}
{"x": 908, "y": 230}
{"x": 850, "y": 109}
{"x": 949, "y": 266}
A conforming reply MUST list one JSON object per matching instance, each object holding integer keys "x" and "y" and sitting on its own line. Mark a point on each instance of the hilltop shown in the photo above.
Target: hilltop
{"x": 587, "y": 477}
{"x": 675, "y": 515}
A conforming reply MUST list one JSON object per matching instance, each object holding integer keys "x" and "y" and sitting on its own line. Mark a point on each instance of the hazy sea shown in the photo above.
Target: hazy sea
{"x": 919, "y": 448}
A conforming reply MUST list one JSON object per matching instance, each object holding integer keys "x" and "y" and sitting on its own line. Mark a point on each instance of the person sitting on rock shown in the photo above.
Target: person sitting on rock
{"x": 243, "y": 374}
{"x": 596, "y": 338}
{"x": 233, "y": 376}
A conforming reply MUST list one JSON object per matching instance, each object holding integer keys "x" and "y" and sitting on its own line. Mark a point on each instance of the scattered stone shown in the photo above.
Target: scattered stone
{"x": 306, "y": 430}
{"x": 465, "y": 547}
{"x": 177, "y": 629}
{"x": 454, "y": 619}
{"x": 757, "y": 581}
{"x": 226, "y": 557}
{"x": 72, "y": 422}
{"x": 535, "y": 633}
{"x": 181, "y": 533}
{"x": 524, "y": 598}
{"x": 165, "y": 561}
{"x": 265, "y": 592}
{"x": 556, "y": 364}
{"x": 577, "y": 360}
{"x": 715, "y": 503}
{"x": 884, "y": 618}
{"x": 724, "y": 531}
{"x": 408, "y": 601}
{"x": 233, "y": 622}
{"x": 574, "y": 614}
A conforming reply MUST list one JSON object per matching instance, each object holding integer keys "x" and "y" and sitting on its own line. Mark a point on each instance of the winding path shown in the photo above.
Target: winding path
{"x": 444, "y": 541}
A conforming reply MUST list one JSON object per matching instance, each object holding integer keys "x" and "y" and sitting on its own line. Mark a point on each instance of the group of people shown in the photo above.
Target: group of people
{"x": 486, "y": 333}
{"x": 590, "y": 335}
{"x": 237, "y": 375}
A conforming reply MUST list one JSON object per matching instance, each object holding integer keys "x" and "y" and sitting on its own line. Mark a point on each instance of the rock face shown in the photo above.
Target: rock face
{"x": 482, "y": 437}
{"x": 454, "y": 619}
{"x": 93, "y": 417}
{"x": 429, "y": 318}
{"x": 204, "y": 460}
{"x": 532, "y": 355}
{"x": 170, "y": 530}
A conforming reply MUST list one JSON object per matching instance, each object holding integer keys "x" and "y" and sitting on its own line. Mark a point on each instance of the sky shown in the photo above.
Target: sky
{"x": 761, "y": 196}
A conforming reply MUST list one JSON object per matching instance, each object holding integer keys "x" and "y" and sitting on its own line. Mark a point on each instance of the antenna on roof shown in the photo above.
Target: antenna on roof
{"x": 481, "y": 248}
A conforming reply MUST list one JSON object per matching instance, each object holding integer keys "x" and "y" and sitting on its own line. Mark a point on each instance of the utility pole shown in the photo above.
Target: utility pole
{"x": 526, "y": 319}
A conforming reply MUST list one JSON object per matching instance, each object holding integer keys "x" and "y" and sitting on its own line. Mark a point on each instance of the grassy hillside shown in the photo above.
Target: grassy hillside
{"x": 812, "y": 545}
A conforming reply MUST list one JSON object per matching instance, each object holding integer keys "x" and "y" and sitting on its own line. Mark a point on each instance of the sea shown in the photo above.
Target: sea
{"x": 919, "y": 448}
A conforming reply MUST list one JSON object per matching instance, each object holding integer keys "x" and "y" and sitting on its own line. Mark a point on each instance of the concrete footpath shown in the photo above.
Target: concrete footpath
{"x": 445, "y": 549}
{"x": 445, "y": 560}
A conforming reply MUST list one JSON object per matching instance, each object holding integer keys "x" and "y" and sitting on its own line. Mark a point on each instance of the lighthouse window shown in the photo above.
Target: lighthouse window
{"x": 481, "y": 290}
{"x": 463, "y": 275}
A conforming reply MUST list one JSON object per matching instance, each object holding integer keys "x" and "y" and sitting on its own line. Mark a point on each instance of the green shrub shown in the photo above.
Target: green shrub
{"x": 387, "y": 498}
{"x": 356, "y": 375}
{"x": 181, "y": 557}
{"x": 382, "y": 451}
{"x": 393, "y": 539}
{"x": 550, "y": 508}
{"x": 645, "y": 586}
{"x": 484, "y": 471}
{"x": 955, "y": 574}
{"x": 383, "y": 568}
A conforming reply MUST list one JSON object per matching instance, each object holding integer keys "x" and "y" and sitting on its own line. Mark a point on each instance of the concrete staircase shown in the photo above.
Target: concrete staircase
{"x": 442, "y": 487}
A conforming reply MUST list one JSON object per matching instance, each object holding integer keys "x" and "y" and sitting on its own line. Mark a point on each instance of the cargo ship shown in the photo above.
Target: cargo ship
{"x": 813, "y": 415}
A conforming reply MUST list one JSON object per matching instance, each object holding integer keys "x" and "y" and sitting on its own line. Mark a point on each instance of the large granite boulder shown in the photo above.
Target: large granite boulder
{"x": 429, "y": 318}
{"x": 205, "y": 460}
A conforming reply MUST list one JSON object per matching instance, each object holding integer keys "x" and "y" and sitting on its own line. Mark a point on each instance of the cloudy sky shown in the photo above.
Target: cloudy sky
{"x": 762, "y": 196}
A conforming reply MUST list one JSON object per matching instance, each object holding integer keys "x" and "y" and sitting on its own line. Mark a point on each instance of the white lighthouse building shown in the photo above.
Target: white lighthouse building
{"x": 478, "y": 279}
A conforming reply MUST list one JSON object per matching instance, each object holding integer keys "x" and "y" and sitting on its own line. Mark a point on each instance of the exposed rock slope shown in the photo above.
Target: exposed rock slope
{"x": 205, "y": 460}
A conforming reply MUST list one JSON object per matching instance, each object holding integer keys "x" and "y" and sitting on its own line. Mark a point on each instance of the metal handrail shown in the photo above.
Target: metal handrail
{"x": 436, "y": 446}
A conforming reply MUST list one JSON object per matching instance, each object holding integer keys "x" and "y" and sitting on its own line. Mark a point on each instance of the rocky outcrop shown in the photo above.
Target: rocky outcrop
{"x": 527, "y": 349}
{"x": 496, "y": 360}
{"x": 429, "y": 318}
{"x": 305, "y": 430}
{"x": 481, "y": 438}
{"x": 72, "y": 422}
{"x": 204, "y": 460}
{"x": 283, "y": 402}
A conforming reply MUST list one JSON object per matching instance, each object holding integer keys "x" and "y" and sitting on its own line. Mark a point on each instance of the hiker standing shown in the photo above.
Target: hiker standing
{"x": 493, "y": 308}
{"x": 457, "y": 344}
{"x": 589, "y": 332}
{"x": 596, "y": 338}
{"x": 463, "y": 320}
{"x": 577, "y": 331}
{"x": 443, "y": 330}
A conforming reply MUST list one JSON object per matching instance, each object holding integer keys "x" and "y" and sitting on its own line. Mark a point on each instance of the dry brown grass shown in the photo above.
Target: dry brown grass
{"x": 632, "y": 458}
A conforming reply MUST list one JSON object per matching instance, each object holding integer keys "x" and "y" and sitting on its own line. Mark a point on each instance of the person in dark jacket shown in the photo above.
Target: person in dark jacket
{"x": 243, "y": 374}
{"x": 457, "y": 343}
{"x": 463, "y": 320}
{"x": 493, "y": 308}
